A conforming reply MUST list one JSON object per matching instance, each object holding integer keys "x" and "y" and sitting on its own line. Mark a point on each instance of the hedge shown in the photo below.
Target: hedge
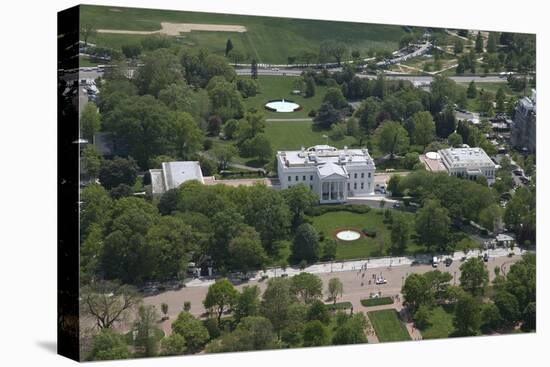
{"x": 323, "y": 209}
{"x": 376, "y": 301}
{"x": 339, "y": 306}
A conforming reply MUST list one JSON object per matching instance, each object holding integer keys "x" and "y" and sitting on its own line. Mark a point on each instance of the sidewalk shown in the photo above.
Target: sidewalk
{"x": 352, "y": 265}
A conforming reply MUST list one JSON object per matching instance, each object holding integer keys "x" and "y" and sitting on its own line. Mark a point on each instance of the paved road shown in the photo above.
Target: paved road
{"x": 93, "y": 74}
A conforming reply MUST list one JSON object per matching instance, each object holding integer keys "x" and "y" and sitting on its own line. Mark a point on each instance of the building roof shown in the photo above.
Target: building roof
{"x": 331, "y": 169}
{"x": 321, "y": 154}
{"x": 173, "y": 174}
{"x": 465, "y": 158}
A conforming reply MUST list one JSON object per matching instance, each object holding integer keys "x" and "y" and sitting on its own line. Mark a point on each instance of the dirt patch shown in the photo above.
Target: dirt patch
{"x": 175, "y": 29}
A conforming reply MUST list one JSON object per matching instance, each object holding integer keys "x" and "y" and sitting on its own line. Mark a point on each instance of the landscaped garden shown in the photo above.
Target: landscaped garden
{"x": 377, "y": 244}
{"x": 387, "y": 326}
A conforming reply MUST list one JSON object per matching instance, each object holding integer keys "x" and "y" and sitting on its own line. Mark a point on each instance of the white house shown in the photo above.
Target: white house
{"x": 334, "y": 174}
{"x": 173, "y": 174}
{"x": 468, "y": 162}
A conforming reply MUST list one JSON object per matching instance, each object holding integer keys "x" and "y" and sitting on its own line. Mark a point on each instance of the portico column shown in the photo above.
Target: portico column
{"x": 330, "y": 190}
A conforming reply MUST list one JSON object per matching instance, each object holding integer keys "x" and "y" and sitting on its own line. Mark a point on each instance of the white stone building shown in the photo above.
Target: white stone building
{"x": 173, "y": 174}
{"x": 469, "y": 163}
{"x": 334, "y": 174}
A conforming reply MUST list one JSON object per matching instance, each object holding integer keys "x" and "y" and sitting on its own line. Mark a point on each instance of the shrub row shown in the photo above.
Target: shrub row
{"x": 376, "y": 301}
{"x": 323, "y": 209}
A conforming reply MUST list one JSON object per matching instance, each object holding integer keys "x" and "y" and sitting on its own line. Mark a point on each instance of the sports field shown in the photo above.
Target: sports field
{"x": 270, "y": 40}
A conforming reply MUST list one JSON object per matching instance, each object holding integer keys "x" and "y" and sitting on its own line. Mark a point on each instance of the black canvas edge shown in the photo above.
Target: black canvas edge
{"x": 68, "y": 318}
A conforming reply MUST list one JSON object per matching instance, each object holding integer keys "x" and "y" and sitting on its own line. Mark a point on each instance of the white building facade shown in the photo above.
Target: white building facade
{"x": 468, "y": 163}
{"x": 334, "y": 174}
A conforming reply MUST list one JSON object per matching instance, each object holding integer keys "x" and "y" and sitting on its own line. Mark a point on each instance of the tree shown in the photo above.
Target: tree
{"x": 246, "y": 251}
{"x": 351, "y": 330}
{"x": 474, "y": 276}
{"x": 299, "y": 199}
{"x": 108, "y": 345}
{"x": 491, "y": 217}
{"x": 306, "y": 244}
{"x": 335, "y": 288}
{"x": 326, "y": 116}
{"x": 307, "y": 287}
{"x": 248, "y": 303}
{"x": 160, "y": 69}
{"x": 172, "y": 345}
{"x": 500, "y": 100}
{"x": 492, "y": 42}
{"x": 108, "y": 302}
{"x": 443, "y": 92}
{"x": 422, "y": 316}
{"x": 310, "y": 86}
{"x": 224, "y": 153}
{"x": 467, "y": 319}
{"x": 318, "y": 311}
{"x": 91, "y": 161}
{"x": 254, "y": 69}
{"x": 432, "y": 225}
{"x": 530, "y": 316}
{"x": 424, "y": 128}
{"x": 252, "y": 333}
{"x": 455, "y": 140}
{"x": 400, "y": 233}
{"x": 391, "y": 138}
{"x": 131, "y": 51}
{"x": 458, "y": 46}
{"x": 221, "y": 296}
{"x": 164, "y": 308}
{"x": 491, "y": 317}
{"x": 192, "y": 330}
{"x": 228, "y": 46}
{"x": 445, "y": 123}
{"x": 334, "y": 49}
{"x": 147, "y": 338}
{"x": 508, "y": 307}
{"x": 315, "y": 334}
{"x": 276, "y": 303}
{"x": 90, "y": 121}
{"x": 471, "y": 92}
{"x": 335, "y": 97}
{"x": 214, "y": 125}
{"x": 329, "y": 247}
{"x": 416, "y": 292}
{"x": 226, "y": 101}
{"x": 87, "y": 31}
{"x": 479, "y": 43}
{"x": 260, "y": 146}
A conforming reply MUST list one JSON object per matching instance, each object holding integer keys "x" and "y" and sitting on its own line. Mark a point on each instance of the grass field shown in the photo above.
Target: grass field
{"x": 269, "y": 39}
{"x": 364, "y": 247}
{"x": 387, "y": 326}
{"x": 294, "y": 134}
{"x": 441, "y": 324}
{"x": 277, "y": 87}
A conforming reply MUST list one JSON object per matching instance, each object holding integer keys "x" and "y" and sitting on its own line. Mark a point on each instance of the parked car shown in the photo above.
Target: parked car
{"x": 486, "y": 257}
{"x": 435, "y": 262}
{"x": 448, "y": 261}
{"x": 381, "y": 280}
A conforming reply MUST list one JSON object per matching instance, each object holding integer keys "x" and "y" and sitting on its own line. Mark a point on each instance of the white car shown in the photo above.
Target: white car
{"x": 381, "y": 280}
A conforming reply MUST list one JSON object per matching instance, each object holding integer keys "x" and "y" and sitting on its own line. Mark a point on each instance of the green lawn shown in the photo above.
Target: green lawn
{"x": 387, "y": 326}
{"x": 269, "y": 39}
{"x": 277, "y": 87}
{"x": 441, "y": 324}
{"x": 294, "y": 134}
{"x": 364, "y": 247}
